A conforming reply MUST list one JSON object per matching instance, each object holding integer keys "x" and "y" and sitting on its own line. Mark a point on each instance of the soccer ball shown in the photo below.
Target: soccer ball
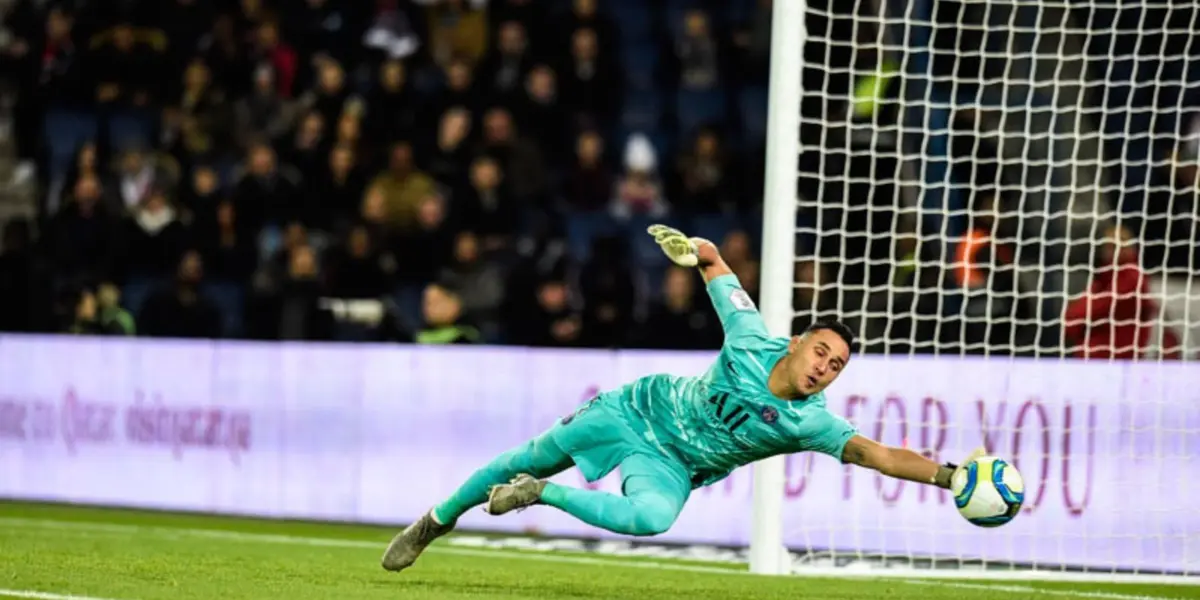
{"x": 988, "y": 491}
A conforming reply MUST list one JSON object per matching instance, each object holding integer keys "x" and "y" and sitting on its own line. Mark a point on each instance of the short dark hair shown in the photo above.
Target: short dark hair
{"x": 837, "y": 327}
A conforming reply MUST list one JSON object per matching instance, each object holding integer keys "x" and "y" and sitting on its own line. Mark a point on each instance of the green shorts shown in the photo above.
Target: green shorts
{"x": 599, "y": 439}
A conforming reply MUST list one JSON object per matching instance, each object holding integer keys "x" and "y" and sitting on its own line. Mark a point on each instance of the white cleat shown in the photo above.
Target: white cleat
{"x": 408, "y": 545}
{"x": 524, "y": 491}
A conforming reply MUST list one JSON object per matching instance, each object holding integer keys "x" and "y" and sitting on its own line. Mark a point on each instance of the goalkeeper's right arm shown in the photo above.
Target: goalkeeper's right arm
{"x": 709, "y": 260}
{"x": 690, "y": 252}
{"x": 739, "y": 317}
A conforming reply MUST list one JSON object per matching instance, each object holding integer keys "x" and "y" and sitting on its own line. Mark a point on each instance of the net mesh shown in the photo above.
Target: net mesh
{"x": 1009, "y": 179}
{"x": 965, "y": 164}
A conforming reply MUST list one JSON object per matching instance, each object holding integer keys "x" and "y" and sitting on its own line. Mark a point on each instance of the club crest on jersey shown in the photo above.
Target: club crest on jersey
{"x": 741, "y": 300}
{"x": 769, "y": 415}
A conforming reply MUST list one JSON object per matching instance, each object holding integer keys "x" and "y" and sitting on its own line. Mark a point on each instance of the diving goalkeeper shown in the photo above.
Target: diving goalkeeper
{"x": 669, "y": 434}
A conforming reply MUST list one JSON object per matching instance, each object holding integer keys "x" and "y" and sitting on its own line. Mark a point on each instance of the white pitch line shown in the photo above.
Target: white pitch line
{"x": 183, "y": 532}
{"x": 44, "y": 595}
{"x": 1024, "y": 589}
{"x": 238, "y": 536}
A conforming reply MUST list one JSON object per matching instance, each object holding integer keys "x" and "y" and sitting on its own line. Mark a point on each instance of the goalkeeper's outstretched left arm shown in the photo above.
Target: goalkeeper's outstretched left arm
{"x": 900, "y": 463}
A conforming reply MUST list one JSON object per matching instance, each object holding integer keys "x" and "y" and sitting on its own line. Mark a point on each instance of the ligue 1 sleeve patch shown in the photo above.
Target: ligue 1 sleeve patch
{"x": 741, "y": 300}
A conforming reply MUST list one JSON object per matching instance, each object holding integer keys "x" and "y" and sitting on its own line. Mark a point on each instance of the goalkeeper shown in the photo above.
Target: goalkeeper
{"x": 669, "y": 435}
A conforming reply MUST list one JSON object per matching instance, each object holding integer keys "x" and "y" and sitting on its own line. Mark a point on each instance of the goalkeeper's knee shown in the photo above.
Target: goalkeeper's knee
{"x": 651, "y": 516}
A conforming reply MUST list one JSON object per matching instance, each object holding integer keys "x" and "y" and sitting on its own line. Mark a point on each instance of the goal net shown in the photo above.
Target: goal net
{"x": 1000, "y": 198}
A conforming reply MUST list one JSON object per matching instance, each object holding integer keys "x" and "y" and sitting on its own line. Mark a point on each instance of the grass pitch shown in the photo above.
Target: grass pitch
{"x": 50, "y": 552}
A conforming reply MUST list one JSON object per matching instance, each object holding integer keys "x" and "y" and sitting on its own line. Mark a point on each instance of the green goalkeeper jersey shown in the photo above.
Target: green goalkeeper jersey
{"x": 727, "y": 417}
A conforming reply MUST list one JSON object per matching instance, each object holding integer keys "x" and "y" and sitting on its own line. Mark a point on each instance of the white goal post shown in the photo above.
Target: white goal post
{"x": 767, "y": 552}
{"x": 1001, "y": 199}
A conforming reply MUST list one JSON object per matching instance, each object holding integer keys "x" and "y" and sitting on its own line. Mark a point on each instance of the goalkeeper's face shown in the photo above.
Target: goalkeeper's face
{"x": 817, "y": 358}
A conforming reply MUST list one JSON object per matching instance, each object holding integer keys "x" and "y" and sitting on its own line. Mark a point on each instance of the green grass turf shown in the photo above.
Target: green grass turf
{"x": 56, "y": 552}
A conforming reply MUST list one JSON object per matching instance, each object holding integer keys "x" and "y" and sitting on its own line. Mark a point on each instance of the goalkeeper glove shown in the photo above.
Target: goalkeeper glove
{"x": 946, "y": 473}
{"x": 681, "y": 249}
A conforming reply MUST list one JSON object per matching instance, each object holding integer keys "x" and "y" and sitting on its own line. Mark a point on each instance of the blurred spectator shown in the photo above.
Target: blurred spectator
{"x": 1115, "y": 317}
{"x": 228, "y": 249}
{"x": 349, "y": 133}
{"x": 273, "y": 271}
{"x": 554, "y": 322}
{"x": 401, "y": 188}
{"x": 126, "y": 65}
{"x": 531, "y": 14}
{"x": 357, "y": 270}
{"x": 139, "y": 174}
{"x": 680, "y": 321}
{"x": 457, "y": 30}
{"x": 504, "y": 70}
{"x": 266, "y": 194}
{"x": 113, "y": 318}
{"x": 263, "y": 113}
{"x": 589, "y": 184}
{"x": 518, "y": 157}
{"x": 330, "y": 97}
{"x": 336, "y": 194}
{"x": 451, "y": 153}
{"x": 306, "y": 151}
{"x": 155, "y": 239}
{"x": 698, "y": 53}
{"x": 590, "y": 83}
{"x": 705, "y": 184}
{"x": 479, "y": 281}
{"x": 391, "y": 106}
{"x": 268, "y": 50}
{"x": 45, "y": 63}
{"x": 83, "y": 237}
{"x": 88, "y": 161}
{"x": 639, "y": 191}
{"x": 442, "y": 310}
{"x": 200, "y": 112}
{"x": 543, "y": 118}
{"x": 180, "y": 308}
{"x": 293, "y": 311}
{"x": 487, "y": 207}
{"x": 585, "y": 15}
{"x": 424, "y": 251}
{"x": 987, "y": 274}
{"x": 460, "y": 91}
{"x": 83, "y": 319}
{"x": 199, "y": 197}
{"x": 606, "y": 283}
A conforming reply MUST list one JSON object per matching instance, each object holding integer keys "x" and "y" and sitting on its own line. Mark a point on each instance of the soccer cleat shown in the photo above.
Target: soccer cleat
{"x": 410, "y": 543}
{"x": 522, "y": 492}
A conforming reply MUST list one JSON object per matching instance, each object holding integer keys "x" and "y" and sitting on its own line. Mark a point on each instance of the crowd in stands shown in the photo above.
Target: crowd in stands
{"x": 252, "y": 169}
{"x": 437, "y": 171}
